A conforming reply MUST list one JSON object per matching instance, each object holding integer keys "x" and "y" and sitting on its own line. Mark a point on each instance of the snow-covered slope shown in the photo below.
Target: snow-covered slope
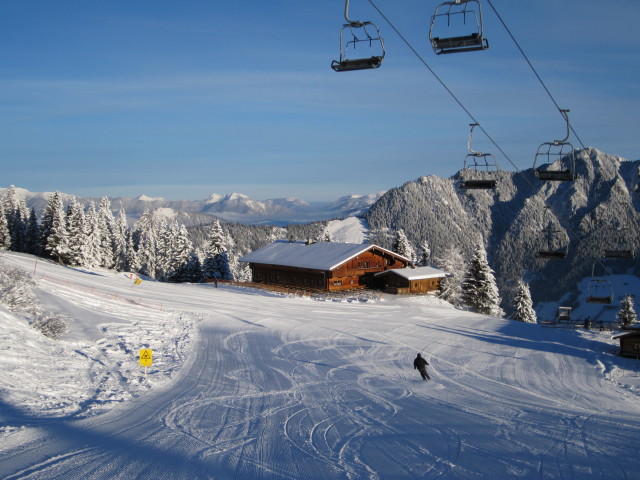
{"x": 348, "y": 230}
{"x": 290, "y": 388}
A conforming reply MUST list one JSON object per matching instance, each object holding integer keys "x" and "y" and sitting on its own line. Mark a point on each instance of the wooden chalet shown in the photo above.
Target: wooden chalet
{"x": 328, "y": 266}
{"x": 411, "y": 280}
{"x": 629, "y": 342}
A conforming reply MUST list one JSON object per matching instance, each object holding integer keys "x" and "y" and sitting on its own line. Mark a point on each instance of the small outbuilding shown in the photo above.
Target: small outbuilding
{"x": 326, "y": 266}
{"x": 410, "y": 280}
{"x": 629, "y": 342}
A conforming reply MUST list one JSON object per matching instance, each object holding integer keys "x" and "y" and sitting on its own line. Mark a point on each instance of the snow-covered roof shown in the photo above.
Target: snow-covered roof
{"x": 316, "y": 256}
{"x": 417, "y": 273}
{"x": 626, "y": 333}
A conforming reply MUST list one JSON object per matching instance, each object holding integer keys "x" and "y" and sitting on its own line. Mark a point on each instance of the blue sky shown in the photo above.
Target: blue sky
{"x": 184, "y": 99}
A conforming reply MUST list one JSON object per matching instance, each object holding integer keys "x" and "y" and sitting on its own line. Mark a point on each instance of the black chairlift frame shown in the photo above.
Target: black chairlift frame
{"x": 483, "y": 165}
{"x": 623, "y": 246}
{"x": 599, "y": 289}
{"x": 550, "y": 252}
{"x": 464, "y": 43}
{"x": 551, "y": 152}
{"x": 618, "y": 253}
{"x": 346, "y": 64}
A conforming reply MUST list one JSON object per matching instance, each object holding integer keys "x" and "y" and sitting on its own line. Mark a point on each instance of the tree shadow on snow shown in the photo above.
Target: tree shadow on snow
{"x": 67, "y": 437}
{"x": 512, "y": 336}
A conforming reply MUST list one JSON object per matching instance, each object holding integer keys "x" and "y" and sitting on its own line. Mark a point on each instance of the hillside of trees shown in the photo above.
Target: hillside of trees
{"x": 521, "y": 217}
{"x": 167, "y": 251}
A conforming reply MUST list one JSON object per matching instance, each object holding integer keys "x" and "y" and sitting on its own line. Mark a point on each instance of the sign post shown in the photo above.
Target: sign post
{"x": 146, "y": 359}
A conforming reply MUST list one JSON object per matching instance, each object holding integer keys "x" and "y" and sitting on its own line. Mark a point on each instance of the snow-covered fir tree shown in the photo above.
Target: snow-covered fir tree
{"x": 326, "y": 236}
{"x": 105, "y": 229}
{"x": 93, "y": 237}
{"x": 180, "y": 255}
{"x": 133, "y": 260}
{"x": 146, "y": 233}
{"x": 17, "y": 215}
{"x": 627, "y": 313}
{"x": 33, "y": 234}
{"x": 5, "y": 236}
{"x": 54, "y": 204}
{"x": 242, "y": 272}
{"x": 402, "y": 246}
{"x": 424, "y": 254}
{"x": 216, "y": 262}
{"x": 76, "y": 235}
{"x": 479, "y": 290}
{"x": 120, "y": 235}
{"x": 55, "y": 232}
{"x": 18, "y": 222}
{"x": 453, "y": 263}
{"x": 523, "y": 305}
{"x": 190, "y": 271}
{"x": 166, "y": 238}
{"x": 194, "y": 268}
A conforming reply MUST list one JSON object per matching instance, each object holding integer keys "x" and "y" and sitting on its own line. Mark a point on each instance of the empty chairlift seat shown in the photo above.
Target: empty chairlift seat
{"x": 361, "y": 38}
{"x": 456, "y": 26}
{"x": 555, "y": 161}
{"x": 480, "y": 169}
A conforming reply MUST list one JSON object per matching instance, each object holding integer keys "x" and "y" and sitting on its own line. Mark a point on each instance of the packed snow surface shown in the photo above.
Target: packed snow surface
{"x": 247, "y": 384}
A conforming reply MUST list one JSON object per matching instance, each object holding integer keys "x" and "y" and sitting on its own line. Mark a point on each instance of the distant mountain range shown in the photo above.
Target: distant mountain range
{"x": 234, "y": 207}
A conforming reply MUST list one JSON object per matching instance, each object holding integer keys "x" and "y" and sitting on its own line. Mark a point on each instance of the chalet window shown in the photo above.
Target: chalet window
{"x": 366, "y": 264}
{"x": 337, "y": 283}
{"x": 386, "y": 262}
{"x": 359, "y": 264}
{"x": 636, "y": 346}
{"x": 415, "y": 284}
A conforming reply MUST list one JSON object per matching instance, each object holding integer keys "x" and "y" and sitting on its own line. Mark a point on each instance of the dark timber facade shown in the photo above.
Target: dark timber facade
{"x": 325, "y": 266}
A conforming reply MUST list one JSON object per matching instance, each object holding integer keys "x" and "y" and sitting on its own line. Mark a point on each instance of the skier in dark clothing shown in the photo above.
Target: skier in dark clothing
{"x": 421, "y": 365}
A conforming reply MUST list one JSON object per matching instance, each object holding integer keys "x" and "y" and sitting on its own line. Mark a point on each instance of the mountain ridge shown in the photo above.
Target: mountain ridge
{"x": 511, "y": 220}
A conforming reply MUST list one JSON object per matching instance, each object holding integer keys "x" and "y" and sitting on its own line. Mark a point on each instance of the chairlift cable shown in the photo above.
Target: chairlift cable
{"x": 570, "y": 230}
{"x": 444, "y": 85}
{"x": 533, "y": 69}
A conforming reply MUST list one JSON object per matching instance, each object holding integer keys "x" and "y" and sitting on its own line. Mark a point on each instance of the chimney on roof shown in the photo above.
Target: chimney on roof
{"x": 413, "y": 265}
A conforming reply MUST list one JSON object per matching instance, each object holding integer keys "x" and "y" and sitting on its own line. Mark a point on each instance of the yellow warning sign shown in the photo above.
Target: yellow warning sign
{"x": 137, "y": 281}
{"x": 146, "y": 358}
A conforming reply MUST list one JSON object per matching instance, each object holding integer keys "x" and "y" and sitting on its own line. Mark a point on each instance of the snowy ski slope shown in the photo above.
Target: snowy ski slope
{"x": 253, "y": 385}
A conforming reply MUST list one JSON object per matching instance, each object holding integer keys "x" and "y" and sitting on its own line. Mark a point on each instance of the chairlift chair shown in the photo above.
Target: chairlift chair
{"x": 550, "y": 155}
{"x": 599, "y": 289}
{"x": 479, "y": 168}
{"x": 457, "y": 10}
{"x": 361, "y": 33}
{"x": 622, "y": 253}
{"x": 554, "y": 245}
{"x": 551, "y": 254}
{"x": 621, "y": 247}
